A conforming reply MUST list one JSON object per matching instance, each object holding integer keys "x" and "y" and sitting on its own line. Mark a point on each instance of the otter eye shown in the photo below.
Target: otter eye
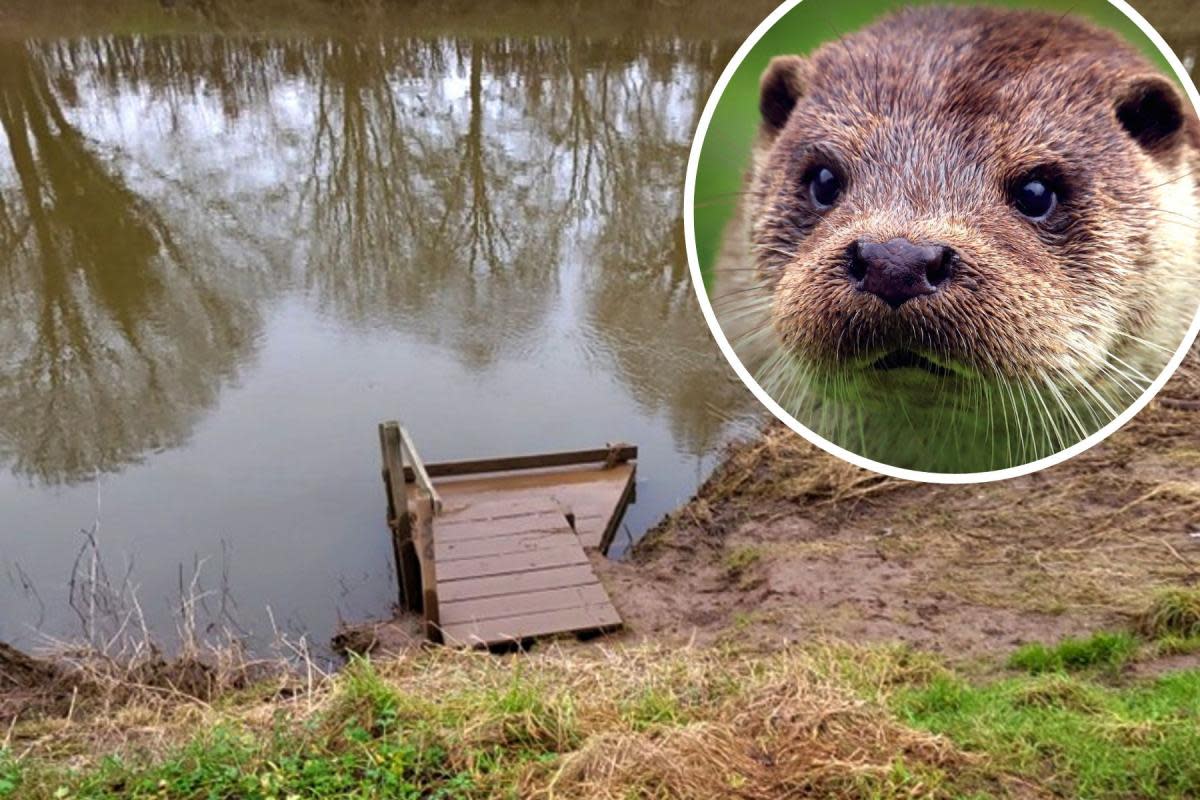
{"x": 825, "y": 187}
{"x": 1034, "y": 198}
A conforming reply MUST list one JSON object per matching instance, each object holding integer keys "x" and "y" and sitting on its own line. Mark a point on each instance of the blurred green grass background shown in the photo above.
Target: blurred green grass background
{"x": 726, "y": 149}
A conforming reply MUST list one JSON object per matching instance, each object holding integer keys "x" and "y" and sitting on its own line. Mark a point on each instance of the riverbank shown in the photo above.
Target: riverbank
{"x": 785, "y": 543}
{"x": 799, "y": 628}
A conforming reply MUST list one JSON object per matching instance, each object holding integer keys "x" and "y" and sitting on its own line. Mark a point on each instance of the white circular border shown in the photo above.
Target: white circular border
{"x": 689, "y": 228}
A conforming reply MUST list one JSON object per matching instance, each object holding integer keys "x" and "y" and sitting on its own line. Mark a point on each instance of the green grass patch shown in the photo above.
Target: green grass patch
{"x": 1176, "y": 645}
{"x": 230, "y": 762}
{"x": 10, "y": 774}
{"x": 1099, "y": 651}
{"x": 1082, "y": 738}
{"x": 655, "y": 706}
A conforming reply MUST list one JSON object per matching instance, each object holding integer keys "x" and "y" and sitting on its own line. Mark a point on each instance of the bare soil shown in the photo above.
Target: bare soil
{"x": 787, "y": 543}
{"x": 23, "y": 680}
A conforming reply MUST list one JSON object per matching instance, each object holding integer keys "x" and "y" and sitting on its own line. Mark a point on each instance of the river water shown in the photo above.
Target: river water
{"x": 228, "y": 257}
{"x": 226, "y": 254}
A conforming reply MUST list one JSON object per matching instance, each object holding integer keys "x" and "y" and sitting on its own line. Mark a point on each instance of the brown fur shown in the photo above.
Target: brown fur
{"x": 931, "y": 114}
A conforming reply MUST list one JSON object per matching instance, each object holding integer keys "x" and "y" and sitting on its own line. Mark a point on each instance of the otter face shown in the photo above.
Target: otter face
{"x": 955, "y": 201}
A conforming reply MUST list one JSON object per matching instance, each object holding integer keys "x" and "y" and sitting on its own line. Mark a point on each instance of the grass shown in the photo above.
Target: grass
{"x": 1172, "y": 645}
{"x": 638, "y": 722}
{"x": 1101, "y": 650}
{"x": 10, "y": 774}
{"x": 1173, "y": 612}
{"x": 1078, "y": 738}
{"x": 742, "y": 558}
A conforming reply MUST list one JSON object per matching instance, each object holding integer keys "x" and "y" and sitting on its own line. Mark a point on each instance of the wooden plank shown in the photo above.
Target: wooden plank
{"x": 475, "y": 506}
{"x": 590, "y": 531}
{"x": 614, "y": 455}
{"x": 599, "y": 505}
{"x": 416, "y": 469}
{"x": 514, "y": 563}
{"x": 408, "y": 569}
{"x": 528, "y": 483}
{"x": 618, "y": 511}
{"x": 500, "y": 585}
{"x": 447, "y": 552}
{"x": 423, "y": 510}
{"x": 508, "y": 526}
{"x": 497, "y": 631}
{"x": 585, "y": 596}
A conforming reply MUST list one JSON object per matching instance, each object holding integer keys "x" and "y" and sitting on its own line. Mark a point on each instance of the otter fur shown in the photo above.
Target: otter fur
{"x": 968, "y": 238}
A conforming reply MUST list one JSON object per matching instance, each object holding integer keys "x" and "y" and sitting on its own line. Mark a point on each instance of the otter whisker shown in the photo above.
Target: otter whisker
{"x": 1004, "y": 416}
{"x": 1050, "y": 420}
{"x": 1080, "y": 383}
{"x": 1146, "y": 381}
{"x": 1126, "y": 335}
{"x": 740, "y": 309}
{"x": 1187, "y": 174}
{"x": 1128, "y": 386}
{"x": 1185, "y": 221}
{"x": 1066, "y": 408}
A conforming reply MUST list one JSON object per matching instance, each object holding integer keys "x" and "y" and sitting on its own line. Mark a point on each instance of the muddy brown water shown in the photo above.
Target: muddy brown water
{"x": 226, "y": 255}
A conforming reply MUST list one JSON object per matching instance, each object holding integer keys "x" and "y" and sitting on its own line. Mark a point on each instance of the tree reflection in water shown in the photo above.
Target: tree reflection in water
{"x": 113, "y": 339}
{"x": 496, "y": 218}
{"x": 440, "y": 186}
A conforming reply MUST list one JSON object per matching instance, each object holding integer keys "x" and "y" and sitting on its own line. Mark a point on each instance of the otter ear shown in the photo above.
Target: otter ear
{"x": 1151, "y": 110}
{"x": 781, "y": 86}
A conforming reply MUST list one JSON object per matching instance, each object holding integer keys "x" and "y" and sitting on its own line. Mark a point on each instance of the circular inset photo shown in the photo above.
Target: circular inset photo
{"x": 950, "y": 243}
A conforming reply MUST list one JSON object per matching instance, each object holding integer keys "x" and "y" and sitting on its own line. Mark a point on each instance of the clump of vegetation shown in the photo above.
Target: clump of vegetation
{"x": 742, "y": 558}
{"x": 10, "y": 774}
{"x": 1173, "y": 612}
{"x": 1176, "y": 645}
{"x": 631, "y": 722}
{"x": 1100, "y": 651}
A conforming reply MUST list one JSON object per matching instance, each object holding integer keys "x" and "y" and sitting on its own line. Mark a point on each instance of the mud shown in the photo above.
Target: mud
{"x": 786, "y": 543}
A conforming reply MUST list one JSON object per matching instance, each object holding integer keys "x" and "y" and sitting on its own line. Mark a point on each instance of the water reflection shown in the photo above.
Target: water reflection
{"x": 114, "y": 335}
{"x": 226, "y": 257}
{"x": 231, "y": 256}
{"x": 438, "y": 186}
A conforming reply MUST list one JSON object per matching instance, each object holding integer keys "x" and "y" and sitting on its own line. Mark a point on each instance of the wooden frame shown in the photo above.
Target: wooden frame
{"x": 611, "y": 455}
{"x": 627, "y": 497}
{"x": 398, "y": 516}
{"x": 514, "y": 564}
{"x": 414, "y": 469}
{"x": 410, "y": 516}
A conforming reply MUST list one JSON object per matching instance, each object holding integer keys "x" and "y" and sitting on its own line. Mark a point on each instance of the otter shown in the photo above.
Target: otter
{"x": 968, "y": 236}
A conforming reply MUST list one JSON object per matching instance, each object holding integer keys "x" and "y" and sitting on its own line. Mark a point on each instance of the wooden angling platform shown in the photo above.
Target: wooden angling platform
{"x": 492, "y": 551}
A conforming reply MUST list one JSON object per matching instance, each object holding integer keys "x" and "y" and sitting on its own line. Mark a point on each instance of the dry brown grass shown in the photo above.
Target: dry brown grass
{"x": 787, "y": 738}
{"x": 624, "y": 722}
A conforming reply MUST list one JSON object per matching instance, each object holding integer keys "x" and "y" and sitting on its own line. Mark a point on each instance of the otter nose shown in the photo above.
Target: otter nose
{"x": 897, "y": 270}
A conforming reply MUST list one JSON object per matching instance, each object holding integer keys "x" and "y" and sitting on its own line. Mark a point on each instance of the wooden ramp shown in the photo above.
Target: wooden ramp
{"x": 501, "y": 541}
